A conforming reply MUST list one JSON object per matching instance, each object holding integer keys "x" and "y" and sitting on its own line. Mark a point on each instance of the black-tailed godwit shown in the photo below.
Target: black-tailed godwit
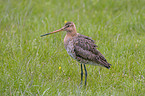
{"x": 81, "y": 48}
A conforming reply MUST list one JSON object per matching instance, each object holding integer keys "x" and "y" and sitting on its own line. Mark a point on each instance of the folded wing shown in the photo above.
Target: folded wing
{"x": 85, "y": 48}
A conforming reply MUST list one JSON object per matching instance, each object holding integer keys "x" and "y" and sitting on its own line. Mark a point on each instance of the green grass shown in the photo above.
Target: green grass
{"x": 29, "y": 64}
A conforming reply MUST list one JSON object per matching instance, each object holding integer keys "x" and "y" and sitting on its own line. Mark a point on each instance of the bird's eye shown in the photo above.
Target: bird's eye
{"x": 68, "y": 26}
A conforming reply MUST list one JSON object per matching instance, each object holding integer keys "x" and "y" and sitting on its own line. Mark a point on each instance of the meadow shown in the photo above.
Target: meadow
{"x": 34, "y": 66}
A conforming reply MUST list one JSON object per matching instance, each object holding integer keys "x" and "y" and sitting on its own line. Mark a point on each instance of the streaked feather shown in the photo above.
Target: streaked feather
{"x": 83, "y": 49}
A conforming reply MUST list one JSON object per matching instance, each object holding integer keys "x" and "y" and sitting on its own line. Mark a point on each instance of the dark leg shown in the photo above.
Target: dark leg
{"x": 81, "y": 74}
{"x": 85, "y": 75}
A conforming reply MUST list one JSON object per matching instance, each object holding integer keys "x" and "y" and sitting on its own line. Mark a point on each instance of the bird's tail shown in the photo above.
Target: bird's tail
{"x": 107, "y": 65}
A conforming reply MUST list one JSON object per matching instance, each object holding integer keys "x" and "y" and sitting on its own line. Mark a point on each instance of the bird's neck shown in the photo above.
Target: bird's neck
{"x": 68, "y": 37}
{"x": 71, "y": 33}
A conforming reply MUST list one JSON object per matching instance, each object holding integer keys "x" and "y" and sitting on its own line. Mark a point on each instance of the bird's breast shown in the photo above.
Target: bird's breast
{"x": 71, "y": 52}
{"x": 69, "y": 45}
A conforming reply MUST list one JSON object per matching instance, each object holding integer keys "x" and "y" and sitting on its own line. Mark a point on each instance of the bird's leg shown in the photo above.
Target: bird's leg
{"x": 81, "y": 74}
{"x": 85, "y": 74}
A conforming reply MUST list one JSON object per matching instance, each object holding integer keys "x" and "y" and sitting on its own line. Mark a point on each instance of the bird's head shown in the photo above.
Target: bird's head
{"x": 69, "y": 27}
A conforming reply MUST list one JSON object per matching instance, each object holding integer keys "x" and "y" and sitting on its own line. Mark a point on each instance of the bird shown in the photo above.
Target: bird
{"x": 81, "y": 48}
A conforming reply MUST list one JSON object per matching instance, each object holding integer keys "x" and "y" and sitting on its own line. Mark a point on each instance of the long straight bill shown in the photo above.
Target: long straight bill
{"x": 62, "y": 29}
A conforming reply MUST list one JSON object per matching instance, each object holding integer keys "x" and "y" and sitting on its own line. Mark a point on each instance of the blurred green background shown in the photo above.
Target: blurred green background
{"x": 35, "y": 66}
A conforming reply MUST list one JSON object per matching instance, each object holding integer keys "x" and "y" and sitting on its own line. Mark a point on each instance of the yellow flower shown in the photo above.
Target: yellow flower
{"x": 65, "y": 21}
{"x": 59, "y": 68}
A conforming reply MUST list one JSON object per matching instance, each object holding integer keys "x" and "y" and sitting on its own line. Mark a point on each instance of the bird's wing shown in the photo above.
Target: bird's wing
{"x": 85, "y": 43}
{"x": 85, "y": 47}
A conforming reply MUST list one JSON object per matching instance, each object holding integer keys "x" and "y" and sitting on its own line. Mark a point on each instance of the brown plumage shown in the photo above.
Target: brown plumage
{"x": 81, "y": 48}
{"x": 84, "y": 50}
